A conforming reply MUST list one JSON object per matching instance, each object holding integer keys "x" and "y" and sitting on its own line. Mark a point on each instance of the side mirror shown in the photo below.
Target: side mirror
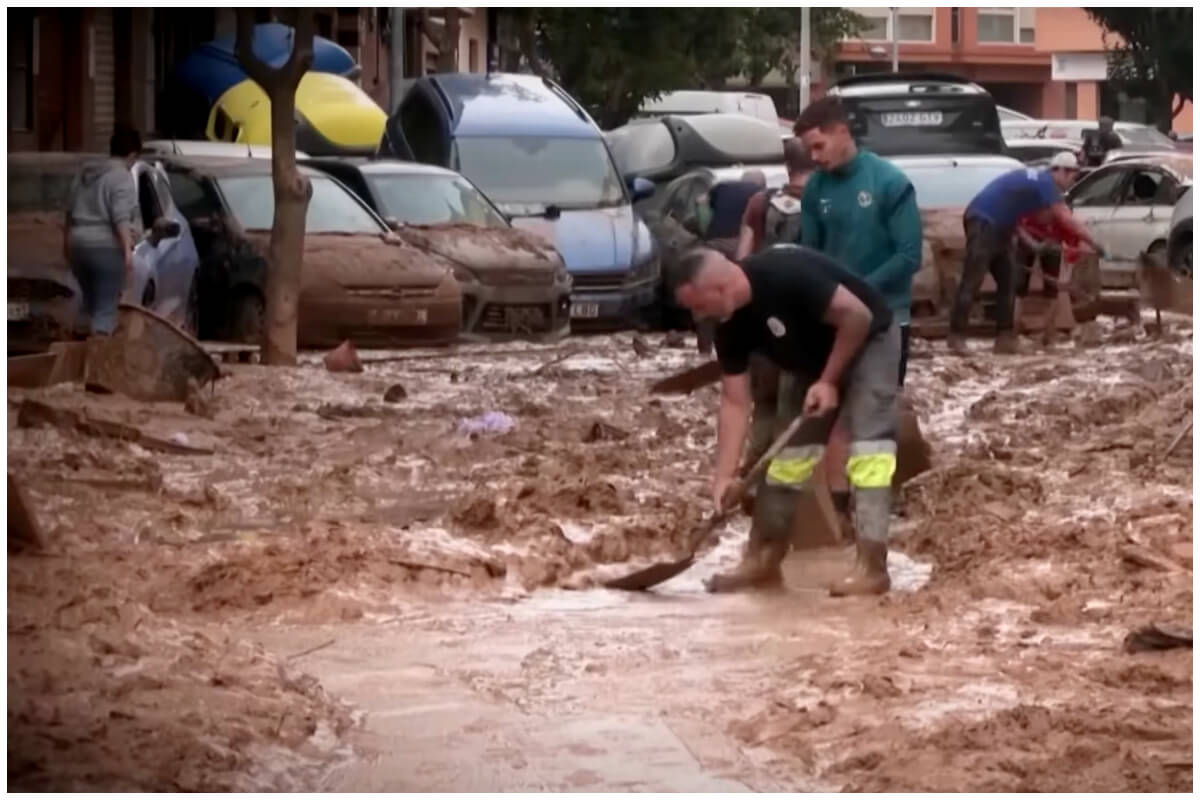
{"x": 641, "y": 188}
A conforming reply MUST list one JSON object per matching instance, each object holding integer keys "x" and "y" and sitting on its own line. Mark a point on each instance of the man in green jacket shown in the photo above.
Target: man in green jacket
{"x": 861, "y": 210}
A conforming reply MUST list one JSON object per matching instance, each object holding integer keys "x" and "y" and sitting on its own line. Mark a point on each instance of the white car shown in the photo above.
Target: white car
{"x": 687, "y": 102}
{"x": 1179, "y": 241}
{"x": 1134, "y": 136}
{"x": 207, "y": 149}
{"x": 1127, "y": 205}
{"x": 1011, "y": 115}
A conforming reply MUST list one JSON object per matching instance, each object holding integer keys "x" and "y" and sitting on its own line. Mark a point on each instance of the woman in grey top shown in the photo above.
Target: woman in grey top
{"x": 99, "y": 236}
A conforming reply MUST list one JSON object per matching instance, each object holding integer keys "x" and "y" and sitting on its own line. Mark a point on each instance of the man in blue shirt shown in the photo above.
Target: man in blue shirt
{"x": 990, "y": 223}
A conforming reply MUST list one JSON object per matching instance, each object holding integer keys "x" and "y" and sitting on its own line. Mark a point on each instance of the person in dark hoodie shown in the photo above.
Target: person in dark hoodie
{"x": 99, "y": 235}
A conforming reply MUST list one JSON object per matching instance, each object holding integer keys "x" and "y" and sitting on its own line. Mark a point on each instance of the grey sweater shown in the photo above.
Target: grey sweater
{"x": 102, "y": 197}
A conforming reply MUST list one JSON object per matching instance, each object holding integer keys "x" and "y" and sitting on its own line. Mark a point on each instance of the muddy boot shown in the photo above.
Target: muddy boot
{"x": 759, "y": 568}
{"x": 869, "y": 576}
{"x": 957, "y": 344}
{"x": 1006, "y": 344}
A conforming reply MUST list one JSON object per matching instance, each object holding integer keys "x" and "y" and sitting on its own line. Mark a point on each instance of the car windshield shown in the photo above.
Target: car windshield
{"x": 942, "y": 186}
{"x": 537, "y": 171}
{"x": 433, "y": 200}
{"x": 251, "y": 198}
{"x": 1145, "y": 135}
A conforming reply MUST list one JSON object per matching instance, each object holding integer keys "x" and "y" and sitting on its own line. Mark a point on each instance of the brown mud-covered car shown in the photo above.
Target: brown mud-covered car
{"x": 514, "y": 282}
{"x": 360, "y": 281}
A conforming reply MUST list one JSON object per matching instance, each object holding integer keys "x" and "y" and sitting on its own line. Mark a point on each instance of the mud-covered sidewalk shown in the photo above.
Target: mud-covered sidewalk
{"x": 350, "y": 593}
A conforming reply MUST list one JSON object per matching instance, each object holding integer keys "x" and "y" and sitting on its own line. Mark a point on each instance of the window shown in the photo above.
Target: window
{"x": 189, "y": 196}
{"x": 1098, "y": 189}
{"x": 1006, "y": 25}
{"x": 473, "y": 55}
{"x": 912, "y": 25}
{"x": 147, "y": 200}
{"x": 955, "y": 23}
{"x": 433, "y": 200}
{"x": 331, "y": 210}
{"x": 1145, "y": 188}
{"x": 151, "y": 86}
{"x": 541, "y": 170}
{"x": 22, "y": 50}
{"x": 944, "y": 186}
{"x": 1072, "y": 109}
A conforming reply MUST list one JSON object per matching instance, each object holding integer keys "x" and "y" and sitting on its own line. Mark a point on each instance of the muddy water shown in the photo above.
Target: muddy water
{"x": 429, "y": 570}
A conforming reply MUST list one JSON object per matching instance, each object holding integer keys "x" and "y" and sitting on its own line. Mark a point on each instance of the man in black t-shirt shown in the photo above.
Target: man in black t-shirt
{"x": 836, "y": 337}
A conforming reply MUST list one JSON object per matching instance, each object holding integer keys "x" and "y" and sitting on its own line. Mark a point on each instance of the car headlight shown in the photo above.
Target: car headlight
{"x": 645, "y": 271}
{"x": 464, "y": 275}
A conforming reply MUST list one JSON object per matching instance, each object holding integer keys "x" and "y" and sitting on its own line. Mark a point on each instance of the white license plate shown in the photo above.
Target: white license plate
{"x": 585, "y": 310}
{"x": 912, "y": 119}
{"x": 18, "y": 311}
{"x": 398, "y": 316}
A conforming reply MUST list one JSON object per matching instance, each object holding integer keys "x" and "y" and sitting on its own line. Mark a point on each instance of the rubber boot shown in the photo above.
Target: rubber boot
{"x": 760, "y": 567}
{"x": 869, "y": 576}
{"x": 845, "y": 527}
{"x": 1006, "y": 344}
{"x": 957, "y": 344}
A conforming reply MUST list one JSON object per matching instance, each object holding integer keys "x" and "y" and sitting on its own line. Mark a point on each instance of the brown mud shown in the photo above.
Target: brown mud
{"x": 162, "y": 641}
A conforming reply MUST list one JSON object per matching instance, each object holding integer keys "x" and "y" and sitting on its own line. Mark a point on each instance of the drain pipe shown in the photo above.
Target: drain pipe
{"x": 396, "y": 80}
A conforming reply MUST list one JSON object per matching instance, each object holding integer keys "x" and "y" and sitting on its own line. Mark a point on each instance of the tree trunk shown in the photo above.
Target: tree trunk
{"x": 285, "y": 254}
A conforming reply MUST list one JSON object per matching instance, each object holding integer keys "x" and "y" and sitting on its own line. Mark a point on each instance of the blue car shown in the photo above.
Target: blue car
{"x": 541, "y": 159}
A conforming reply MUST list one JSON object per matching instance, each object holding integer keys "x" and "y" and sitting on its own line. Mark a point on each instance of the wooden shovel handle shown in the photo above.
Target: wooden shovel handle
{"x": 735, "y": 492}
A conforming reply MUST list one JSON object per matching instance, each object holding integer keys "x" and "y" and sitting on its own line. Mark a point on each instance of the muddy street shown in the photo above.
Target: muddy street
{"x": 326, "y": 589}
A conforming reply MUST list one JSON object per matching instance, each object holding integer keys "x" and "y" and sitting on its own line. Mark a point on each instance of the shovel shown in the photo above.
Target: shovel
{"x": 665, "y": 570}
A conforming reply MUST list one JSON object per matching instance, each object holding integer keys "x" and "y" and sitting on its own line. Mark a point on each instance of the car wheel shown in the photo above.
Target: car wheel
{"x": 191, "y": 312}
{"x": 1157, "y": 252}
{"x": 148, "y": 295}
{"x": 248, "y": 318}
{"x": 1181, "y": 257}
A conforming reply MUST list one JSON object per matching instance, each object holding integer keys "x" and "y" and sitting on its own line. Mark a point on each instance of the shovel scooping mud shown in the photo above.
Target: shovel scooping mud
{"x": 665, "y": 570}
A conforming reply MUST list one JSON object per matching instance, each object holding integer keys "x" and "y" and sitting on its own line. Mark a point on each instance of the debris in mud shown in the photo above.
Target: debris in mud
{"x": 641, "y": 347}
{"x": 24, "y": 531}
{"x": 32, "y": 413}
{"x": 490, "y": 422}
{"x": 395, "y": 393}
{"x": 344, "y": 358}
{"x": 601, "y": 431}
{"x": 675, "y": 340}
{"x": 333, "y": 411}
{"x": 1158, "y": 637}
{"x": 479, "y": 513}
{"x": 198, "y": 403}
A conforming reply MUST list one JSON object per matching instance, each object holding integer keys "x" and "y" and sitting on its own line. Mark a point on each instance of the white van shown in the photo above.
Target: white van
{"x": 752, "y": 104}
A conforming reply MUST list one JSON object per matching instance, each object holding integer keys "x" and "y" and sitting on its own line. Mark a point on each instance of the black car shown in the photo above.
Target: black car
{"x": 916, "y": 114}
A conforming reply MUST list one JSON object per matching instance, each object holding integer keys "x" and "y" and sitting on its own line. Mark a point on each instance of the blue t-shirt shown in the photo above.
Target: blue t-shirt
{"x": 1014, "y": 195}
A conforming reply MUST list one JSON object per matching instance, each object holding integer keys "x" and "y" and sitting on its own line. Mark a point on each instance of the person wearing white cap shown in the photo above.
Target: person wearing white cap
{"x": 990, "y": 222}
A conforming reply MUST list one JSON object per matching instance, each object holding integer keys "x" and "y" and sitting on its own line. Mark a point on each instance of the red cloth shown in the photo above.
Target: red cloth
{"x": 1052, "y": 230}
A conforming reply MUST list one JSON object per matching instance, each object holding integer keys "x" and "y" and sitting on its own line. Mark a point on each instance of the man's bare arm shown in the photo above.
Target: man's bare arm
{"x": 732, "y": 424}
{"x": 745, "y": 243}
{"x": 852, "y": 321}
{"x": 1065, "y": 218}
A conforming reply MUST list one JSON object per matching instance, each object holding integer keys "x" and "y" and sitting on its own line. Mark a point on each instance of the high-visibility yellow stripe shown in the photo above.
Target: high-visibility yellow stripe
{"x": 791, "y": 472}
{"x": 873, "y": 471}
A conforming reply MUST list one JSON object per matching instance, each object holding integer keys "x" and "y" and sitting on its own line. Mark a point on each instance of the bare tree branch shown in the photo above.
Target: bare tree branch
{"x": 243, "y": 48}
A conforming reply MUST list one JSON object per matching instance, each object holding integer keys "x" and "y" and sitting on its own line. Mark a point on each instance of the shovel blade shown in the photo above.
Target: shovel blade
{"x": 650, "y": 576}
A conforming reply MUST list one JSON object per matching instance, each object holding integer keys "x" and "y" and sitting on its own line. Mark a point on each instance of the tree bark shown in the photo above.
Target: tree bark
{"x": 285, "y": 254}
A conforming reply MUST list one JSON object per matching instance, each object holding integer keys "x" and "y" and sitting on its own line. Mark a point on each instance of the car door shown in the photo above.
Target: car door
{"x": 178, "y": 259}
{"x": 144, "y": 288}
{"x": 1094, "y": 200}
{"x": 1142, "y": 214}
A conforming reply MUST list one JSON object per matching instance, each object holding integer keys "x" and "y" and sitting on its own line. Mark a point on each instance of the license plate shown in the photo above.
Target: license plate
{"x": 585, "y": 310}
{"x": 912, "y": 119}
{"x": 18, "y": 311}
{"x": 398, "y": 316}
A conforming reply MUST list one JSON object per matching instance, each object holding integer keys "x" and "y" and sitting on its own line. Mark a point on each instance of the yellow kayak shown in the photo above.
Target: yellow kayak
{"x": 335, "y": 116}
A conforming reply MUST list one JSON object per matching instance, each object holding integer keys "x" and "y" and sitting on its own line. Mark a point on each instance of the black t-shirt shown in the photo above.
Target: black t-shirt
{"x": 790, "y": 291}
